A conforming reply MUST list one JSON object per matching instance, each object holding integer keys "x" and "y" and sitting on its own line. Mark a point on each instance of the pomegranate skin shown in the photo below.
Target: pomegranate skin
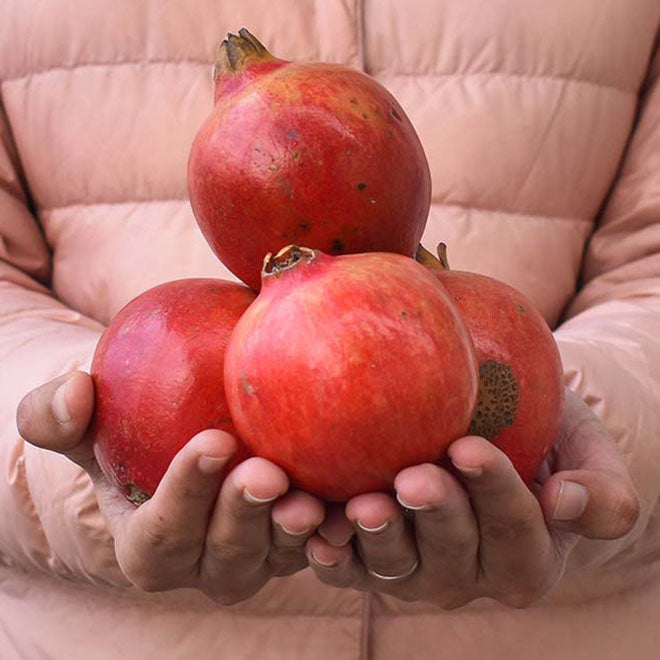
{"x": 158, "y": 378}
{"x": 521, "y": 388}
{"x": 347, "y": 369}
{"x": 309, "y": 153}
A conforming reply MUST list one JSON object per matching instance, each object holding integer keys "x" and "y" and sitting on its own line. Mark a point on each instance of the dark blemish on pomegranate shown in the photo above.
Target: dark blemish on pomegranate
{"x": 135, "y": 495}
{"x": 337, "y": 246}
{"x": 353, "y": 100}
{"x": 404, "y": 314}
{"x": 521, "y": 309}
{"x": 365, "y": 115}
{"x": 458, "y": 298}
{"x": 295, "y": 155}
{"x": 247, "y": 388}
{"x": 361, "y": 186}
{"x": 396, "y": 114}
{"x": 293, "y": 134}
{"x": 497, "y": 401}
{"x": 304, "y": 226}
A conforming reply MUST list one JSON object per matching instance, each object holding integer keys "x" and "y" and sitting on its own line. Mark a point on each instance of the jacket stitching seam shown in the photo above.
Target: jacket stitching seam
{"x": 382, "y": 72}
{"x": 506, "y": 74}
{"x": 523, "y": 214}
{"x": 92, "y": 65}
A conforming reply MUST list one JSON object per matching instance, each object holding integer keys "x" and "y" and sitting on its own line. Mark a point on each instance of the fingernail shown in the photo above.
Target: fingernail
{"x": 405, "y": 505}
{"x": 211, "y": 464}
{"x": 373, "y": 530}
{"x": 252, "y": 499}
{"x": 290, "y": 532}
{"x": 571, "y": 501}
{"x": 327, "y": 563}
{"x": 470, "y": 471}
{"x": 60, "y": 409}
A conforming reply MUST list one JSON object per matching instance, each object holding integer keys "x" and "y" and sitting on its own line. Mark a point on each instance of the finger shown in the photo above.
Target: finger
{"x": 336, "y": 529}
{"x": 239, "y": 535}
{"x": 515, "y": 547}
{"x": 596, "y": 504}
{"x": 295, "y": 517}
{"x": 585, "y": 442}
{"x": 337, "y": 566}
{"x": 385, "y": 542}
{"x": 56, "y": 415}
{"x": 591, "y": 493}
{"x": 445, "y": 526}
{"x": 162, "y": 541}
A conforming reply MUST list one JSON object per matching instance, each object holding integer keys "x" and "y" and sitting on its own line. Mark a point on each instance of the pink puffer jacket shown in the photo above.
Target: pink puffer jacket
{"x": 541, "y": 121}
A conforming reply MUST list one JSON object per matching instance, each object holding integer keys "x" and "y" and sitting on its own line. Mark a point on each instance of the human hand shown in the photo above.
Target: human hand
{"x": 482, "y": 533}
{"x": 224, "y": 538}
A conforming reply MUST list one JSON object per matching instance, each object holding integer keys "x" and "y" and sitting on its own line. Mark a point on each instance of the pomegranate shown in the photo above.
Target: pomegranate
{"x": 347, "y": 369}
{"x": 521, "y": 389}
{"x": 158, "y": 377}
{"x": 312, "y": 153}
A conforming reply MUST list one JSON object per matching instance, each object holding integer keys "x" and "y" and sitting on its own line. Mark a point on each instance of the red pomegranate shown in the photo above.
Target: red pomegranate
{"x": 521, "y": 388}
{"x": 347, "y": 369}
{"x": 158, "y": 378}
{"x": 310, "y": 153}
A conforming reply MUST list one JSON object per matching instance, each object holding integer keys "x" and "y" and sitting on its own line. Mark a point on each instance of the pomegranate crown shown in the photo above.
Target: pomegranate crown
{"x": 236, "y": 51}
{"x": 424, "y": 257}
{"x": 286, "y": 259}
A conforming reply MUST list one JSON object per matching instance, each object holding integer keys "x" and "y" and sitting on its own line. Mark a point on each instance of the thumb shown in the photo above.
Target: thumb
{"x": 597, "y": 504}
{"x": 56, "y": 415}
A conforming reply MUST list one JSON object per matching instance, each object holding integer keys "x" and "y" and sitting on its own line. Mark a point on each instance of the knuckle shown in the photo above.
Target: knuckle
{"x": 229, "y": 553}
{"x": 523, "y": 597}
{"x": 190, "y": 493}
{"x": 453, "y": 601}
{"x": 506, "y": 528}
{"x": 146, "y": 581}
{"x": 461, "y": 549}
{"x": 519, "y": 599}
{"x": 626, "y": 509}
{"x": 23, "y": 416}
{"x": 157, "y": 537}
{"x": 139, "y": 573}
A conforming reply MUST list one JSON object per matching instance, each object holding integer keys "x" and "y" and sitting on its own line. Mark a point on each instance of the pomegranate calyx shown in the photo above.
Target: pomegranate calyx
{"x": 237, "y": 51}
{"x": 442, "y": 255}
{"x": 439, "y": 263}
{"x": 286, "y": 259}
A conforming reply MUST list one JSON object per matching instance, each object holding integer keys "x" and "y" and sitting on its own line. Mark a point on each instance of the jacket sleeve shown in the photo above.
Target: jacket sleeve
{"x": 610, "y": 339}
{"x": 50, "y": 521}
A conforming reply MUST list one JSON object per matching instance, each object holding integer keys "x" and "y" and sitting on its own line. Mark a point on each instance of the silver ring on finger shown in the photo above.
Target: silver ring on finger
{"x": 408, "y": 573}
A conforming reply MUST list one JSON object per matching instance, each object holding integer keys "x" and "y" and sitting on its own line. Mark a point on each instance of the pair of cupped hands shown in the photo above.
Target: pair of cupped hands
{"x": 446, "y": 536}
